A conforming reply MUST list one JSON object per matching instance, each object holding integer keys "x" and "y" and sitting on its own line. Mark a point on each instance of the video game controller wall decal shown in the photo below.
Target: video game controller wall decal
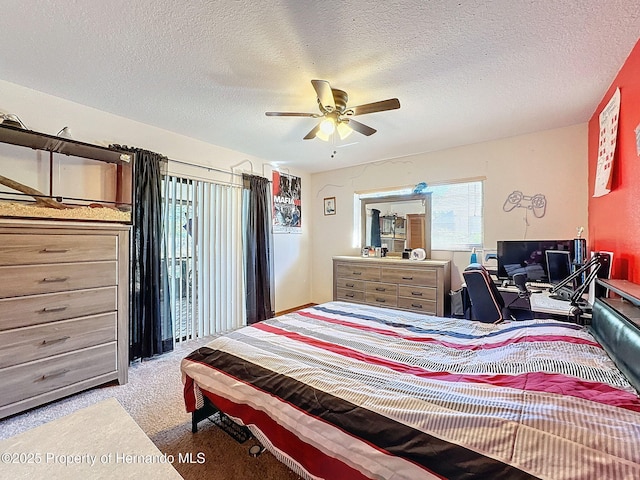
{"x": 536, "y": 203}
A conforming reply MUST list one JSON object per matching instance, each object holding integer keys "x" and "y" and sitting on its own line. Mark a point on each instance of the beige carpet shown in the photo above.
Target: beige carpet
{"x": 153, "y": 397}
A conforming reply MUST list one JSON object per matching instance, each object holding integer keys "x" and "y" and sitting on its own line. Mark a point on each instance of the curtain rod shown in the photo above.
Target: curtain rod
{"x": 197, "y": 178}
{"x": 214, "y": 169}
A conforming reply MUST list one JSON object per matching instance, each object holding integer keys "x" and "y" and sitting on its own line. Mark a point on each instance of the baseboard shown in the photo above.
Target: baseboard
{"x": 294, "y": 309}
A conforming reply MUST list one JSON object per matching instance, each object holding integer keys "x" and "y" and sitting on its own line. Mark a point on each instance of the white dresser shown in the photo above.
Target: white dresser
{"x": 64, "y": 309}
{"x": 419, "y": 286}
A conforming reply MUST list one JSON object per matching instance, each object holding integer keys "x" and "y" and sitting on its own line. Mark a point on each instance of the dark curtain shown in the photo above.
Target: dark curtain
{"x": 258, "y": 248}
{"x": 150, "y": 329}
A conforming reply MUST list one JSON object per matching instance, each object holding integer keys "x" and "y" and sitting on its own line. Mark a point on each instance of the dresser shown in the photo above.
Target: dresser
{"x": 418, "y": 286}
{"x": 64, "y": 309}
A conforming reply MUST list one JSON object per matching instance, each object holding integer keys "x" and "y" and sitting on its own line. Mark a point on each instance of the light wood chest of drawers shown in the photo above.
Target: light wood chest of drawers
{"x": 418, "y": 286}
{"x": 64, "y": 309}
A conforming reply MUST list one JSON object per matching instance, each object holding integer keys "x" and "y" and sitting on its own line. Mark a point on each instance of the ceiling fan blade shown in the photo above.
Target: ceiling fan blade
{"x": 312, "y": 133}
{"x": 361, "y": 128}
{"x": 290, "y": 114}
{"x": 325, "y": 95}
{"x": 374, "y": 107}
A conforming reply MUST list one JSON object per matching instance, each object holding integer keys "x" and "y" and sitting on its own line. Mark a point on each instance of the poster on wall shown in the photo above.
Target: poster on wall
{"x": 607, "y": 145}
{"x": 287, "y": 208}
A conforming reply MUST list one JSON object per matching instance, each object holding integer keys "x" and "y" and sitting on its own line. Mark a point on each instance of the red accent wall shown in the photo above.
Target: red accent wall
{"x": 614, "y": 219}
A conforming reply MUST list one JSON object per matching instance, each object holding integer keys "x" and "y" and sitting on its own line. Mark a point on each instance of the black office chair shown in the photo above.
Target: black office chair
{"x": 487, "y": 304}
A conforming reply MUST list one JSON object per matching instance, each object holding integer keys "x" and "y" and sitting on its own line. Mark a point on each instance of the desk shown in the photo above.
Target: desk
{"x": 543, "y": 303}
{"x": 540, "y": 303}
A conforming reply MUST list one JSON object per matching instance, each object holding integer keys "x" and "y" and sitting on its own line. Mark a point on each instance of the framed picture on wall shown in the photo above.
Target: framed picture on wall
{"x": 330, "y": 206}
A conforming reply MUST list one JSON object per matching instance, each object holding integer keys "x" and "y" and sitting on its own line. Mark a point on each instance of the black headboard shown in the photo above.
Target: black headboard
{"x": 612, "y": 326}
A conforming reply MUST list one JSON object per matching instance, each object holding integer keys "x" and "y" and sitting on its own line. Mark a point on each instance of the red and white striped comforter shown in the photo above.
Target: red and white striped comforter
{"x": 344, "y": 391}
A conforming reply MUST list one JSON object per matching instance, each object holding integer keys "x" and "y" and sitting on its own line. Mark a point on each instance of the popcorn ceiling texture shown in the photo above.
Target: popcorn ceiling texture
{"x": 464, "y": 72}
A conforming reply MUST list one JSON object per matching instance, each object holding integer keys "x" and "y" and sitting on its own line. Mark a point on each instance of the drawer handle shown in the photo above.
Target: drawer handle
{"x": 54, "y": 309}
{"x": 349, "y": 295}
{"x": 380, "y": 300}
{"x": 57, "y": 340}
{"x": 52, "y": 375}
{"x": 350, "y": 285}
{"x": 407, "y": 278}
{"x": 356, "y": 273}
{"x": 416, "y": 294}
{"x": 54, "y": 279}
{"x": 54, "y": 250}
{"x": 381, "y": 289}
{"x": 416, "y": 305}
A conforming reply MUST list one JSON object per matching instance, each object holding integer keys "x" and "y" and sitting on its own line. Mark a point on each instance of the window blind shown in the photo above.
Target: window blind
{"x": 456, "y": 216}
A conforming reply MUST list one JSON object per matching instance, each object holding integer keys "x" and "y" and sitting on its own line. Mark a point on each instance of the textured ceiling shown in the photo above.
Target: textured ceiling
{"x": 464, "y": 71}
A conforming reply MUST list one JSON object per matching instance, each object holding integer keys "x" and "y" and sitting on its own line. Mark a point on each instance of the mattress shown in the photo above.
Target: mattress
{"x": 353, "y": 391}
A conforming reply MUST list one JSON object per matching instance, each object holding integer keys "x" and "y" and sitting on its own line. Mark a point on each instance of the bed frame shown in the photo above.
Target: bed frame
{"x": 212, "y": 413}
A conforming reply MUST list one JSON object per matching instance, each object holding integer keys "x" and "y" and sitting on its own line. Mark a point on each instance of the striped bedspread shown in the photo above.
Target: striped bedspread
{"x": 344, "y": 391}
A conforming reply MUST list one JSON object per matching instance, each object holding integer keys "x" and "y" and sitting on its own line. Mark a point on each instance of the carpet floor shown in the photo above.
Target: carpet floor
{"x": 153, "y": 398}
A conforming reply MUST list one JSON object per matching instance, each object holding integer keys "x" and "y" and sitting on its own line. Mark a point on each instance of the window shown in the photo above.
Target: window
{"x": 456, "y": 216}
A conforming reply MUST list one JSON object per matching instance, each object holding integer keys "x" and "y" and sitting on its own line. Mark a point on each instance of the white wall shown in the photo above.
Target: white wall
{"x": 552, "y": 162}
{"x": 49, "y": 114}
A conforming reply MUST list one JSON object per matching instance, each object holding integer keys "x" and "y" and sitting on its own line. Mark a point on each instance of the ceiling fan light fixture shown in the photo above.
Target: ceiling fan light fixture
{"x": 327, "y": 126}
{"x": 322, "y": 136}
{"x": 344, "y": 130}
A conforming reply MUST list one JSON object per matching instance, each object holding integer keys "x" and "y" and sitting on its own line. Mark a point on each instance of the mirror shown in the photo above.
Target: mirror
{"x": 404, "y": 221}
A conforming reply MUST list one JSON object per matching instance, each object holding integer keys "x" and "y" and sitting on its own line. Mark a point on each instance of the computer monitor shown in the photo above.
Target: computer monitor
{"x": 527, "y": 256}
{"x": 558, "y": 265}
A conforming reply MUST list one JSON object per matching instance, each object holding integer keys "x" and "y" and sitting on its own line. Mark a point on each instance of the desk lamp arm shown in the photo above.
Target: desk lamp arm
{"x": 577, "y": 295}
{"x": 593, "y": 261}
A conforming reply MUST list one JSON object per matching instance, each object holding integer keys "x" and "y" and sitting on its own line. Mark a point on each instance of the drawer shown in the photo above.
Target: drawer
{"x": 35, "y": 378}
{"x": 35, "y": 279}
{"x": 424, "y": 293}
{"x": 381, "y": 299}
{"x": 357, "y": 271}
{"x": 350, "y": 295}
{"x": 25, "y": 249}
{"x": 417, "y": 305}
{"x": 350, "y": 283}
{"x": 408, "y": 276}
{"x": 381, "y": 288}
{"x": 33, "y": 343}
{"x": 50, "y": 307}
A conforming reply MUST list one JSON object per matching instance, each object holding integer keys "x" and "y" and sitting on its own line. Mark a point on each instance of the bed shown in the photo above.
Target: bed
{"x": 346, "y": 391}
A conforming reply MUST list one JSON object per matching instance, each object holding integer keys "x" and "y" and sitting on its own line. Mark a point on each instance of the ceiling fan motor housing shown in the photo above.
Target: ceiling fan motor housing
{"x": 340, "y": 98}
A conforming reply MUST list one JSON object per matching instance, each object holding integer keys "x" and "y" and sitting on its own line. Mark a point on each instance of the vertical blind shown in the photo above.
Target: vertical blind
{"x": 203, "y": 235}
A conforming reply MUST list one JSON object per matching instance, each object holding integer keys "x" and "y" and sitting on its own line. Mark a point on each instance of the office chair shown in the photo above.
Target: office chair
{"x": 487, "y": 304}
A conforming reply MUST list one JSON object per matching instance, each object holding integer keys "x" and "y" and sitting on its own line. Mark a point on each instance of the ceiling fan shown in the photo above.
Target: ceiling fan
{"x": 335, "y": 114}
